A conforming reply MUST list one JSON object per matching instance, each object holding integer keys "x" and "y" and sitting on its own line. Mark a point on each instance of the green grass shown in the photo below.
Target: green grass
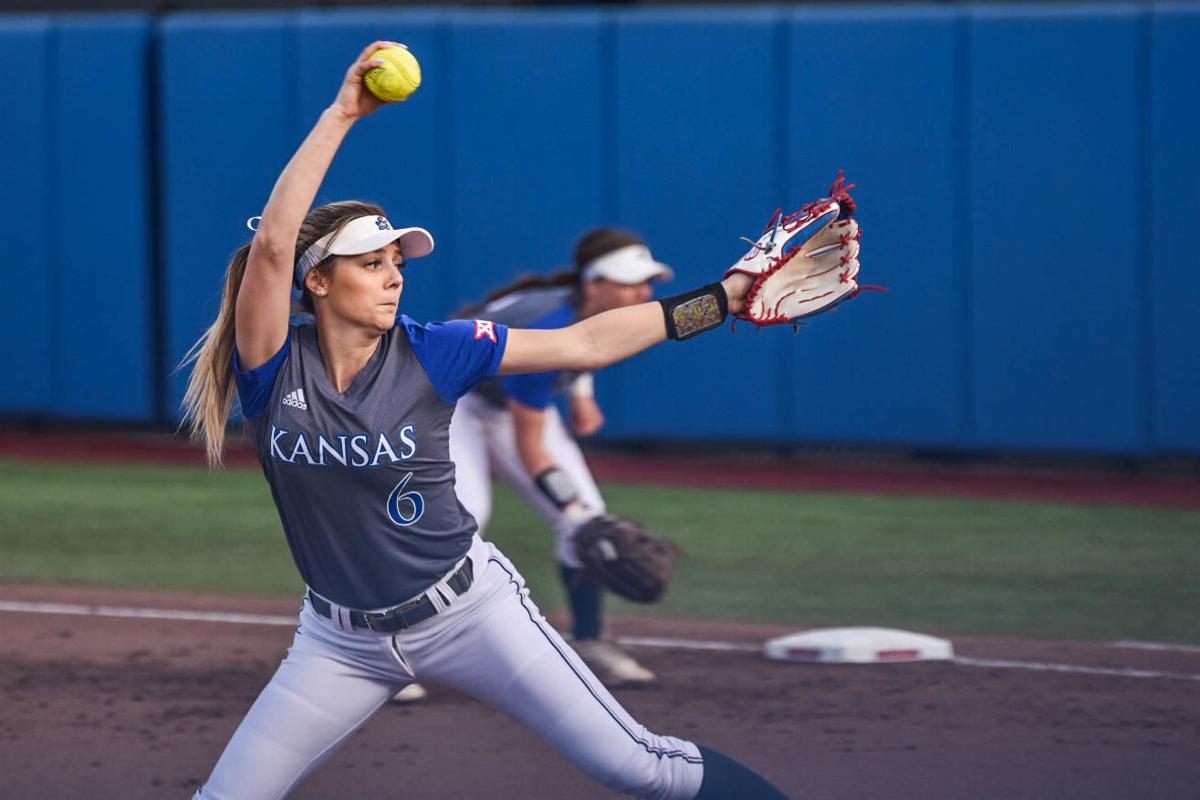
{"x": 948, "y": 565}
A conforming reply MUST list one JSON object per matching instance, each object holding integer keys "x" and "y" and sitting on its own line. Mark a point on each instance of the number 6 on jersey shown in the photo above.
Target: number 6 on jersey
{"x": 398, "y": 497}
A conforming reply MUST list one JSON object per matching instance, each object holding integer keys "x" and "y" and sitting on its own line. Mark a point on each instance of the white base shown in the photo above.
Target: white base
{"x": 857, "y": 646}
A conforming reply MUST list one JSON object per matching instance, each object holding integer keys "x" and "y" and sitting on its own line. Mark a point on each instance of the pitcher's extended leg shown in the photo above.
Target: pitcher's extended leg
{"x": 313, "y": 703}
{"x": 514, "y": 661}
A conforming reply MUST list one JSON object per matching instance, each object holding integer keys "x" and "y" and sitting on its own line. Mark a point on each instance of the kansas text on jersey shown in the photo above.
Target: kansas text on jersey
{"x": 362, "y": 478}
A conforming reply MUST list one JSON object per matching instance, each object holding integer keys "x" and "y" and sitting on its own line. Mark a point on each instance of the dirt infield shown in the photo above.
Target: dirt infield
{"x": 133, "y": 708}
{"x": 104, "y": 707}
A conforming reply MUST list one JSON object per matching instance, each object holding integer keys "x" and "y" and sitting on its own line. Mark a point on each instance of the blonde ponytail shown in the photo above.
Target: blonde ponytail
{"x": 208, "y": 401}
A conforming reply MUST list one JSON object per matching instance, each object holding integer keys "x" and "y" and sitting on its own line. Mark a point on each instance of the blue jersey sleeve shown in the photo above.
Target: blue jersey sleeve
{"x": 537, "y": 390}
{"x": 254, "y": 387}
{"x": 457, "y": 355}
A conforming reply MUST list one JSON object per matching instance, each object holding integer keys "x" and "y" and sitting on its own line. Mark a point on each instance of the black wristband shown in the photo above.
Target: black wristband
{"x": 557, "y": 486}
{"x": 692, "y": 313}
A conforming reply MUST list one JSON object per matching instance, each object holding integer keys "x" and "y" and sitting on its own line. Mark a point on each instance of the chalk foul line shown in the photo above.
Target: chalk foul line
{"x": 146, "y": 613}
{"x": 179, "y": 615}
{"x": 1126, "y": 644}
{"x": 688, "y": 644}
{"x": 1040, "y": 666}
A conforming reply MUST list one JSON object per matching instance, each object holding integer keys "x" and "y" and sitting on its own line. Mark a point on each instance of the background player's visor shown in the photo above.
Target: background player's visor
{"x": 364, "y": 235}
{"x": 631, "y": 264}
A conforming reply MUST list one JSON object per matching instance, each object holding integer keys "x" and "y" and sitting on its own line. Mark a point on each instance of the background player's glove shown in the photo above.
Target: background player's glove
{"x": 626, "y": 558}
{"x": 804, "y": 263}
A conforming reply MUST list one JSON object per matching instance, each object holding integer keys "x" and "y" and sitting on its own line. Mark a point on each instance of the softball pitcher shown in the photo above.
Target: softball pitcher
{"x": 350, "y": 418}
{"x": 510, "y": 426}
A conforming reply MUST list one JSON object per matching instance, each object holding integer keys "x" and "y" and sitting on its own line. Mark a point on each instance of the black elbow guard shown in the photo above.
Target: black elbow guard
{"x": 557, "y": 486}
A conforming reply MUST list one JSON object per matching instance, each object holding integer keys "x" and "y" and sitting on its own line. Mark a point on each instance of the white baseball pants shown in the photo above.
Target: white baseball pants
{"x": 483, "y": 442}
{"x": 491, "y": 643}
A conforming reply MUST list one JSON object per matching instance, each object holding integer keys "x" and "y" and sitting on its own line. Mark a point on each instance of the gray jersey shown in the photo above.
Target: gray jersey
{"x": 363, "y": 480}
{"x": 543, "y": 307}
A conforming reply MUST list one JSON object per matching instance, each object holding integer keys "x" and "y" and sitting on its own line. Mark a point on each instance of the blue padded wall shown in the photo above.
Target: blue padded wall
{"x": 103, "y": 294}
{"x": 1057, "y": 270}
{"x": 879, "y": 94}
{"x": 525, "y": 123}
{"x": 1027, "y": 177}
{"x": 391, "y": 158}
{"x": 227, "y": 130}
{"x": 26, "y": 326}
{"x": 696, "y": 131}
{"x": 1175, "y": 234}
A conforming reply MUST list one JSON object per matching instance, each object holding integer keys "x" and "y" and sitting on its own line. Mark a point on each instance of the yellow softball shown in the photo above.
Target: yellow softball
{"x": 399, "y": 76}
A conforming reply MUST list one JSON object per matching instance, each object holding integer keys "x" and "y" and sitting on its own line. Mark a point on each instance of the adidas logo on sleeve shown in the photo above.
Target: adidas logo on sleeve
{"x": 296, "y": 400}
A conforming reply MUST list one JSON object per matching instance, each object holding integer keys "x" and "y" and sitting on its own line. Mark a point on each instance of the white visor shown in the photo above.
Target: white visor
{"x": 630, "y": 264}
{"x": 364, "y": 235}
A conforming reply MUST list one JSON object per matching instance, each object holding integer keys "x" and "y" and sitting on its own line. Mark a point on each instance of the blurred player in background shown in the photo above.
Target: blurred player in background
{"x": 510, "y": 426}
